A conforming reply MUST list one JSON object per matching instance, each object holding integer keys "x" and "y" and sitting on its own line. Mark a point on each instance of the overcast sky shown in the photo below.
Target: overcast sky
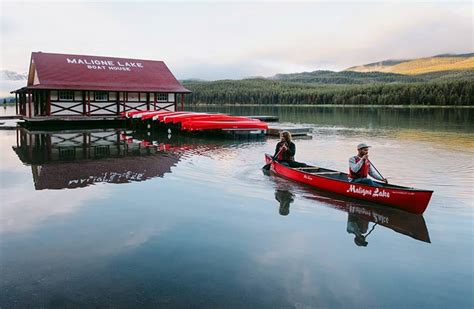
{"x": 215, "y": 40}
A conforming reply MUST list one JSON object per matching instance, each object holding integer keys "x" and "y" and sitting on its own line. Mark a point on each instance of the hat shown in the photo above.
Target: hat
{"x": 362, "y": 145}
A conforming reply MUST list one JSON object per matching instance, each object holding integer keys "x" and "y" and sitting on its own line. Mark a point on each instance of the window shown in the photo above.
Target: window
{"x": 101, "y": 151}
{"x": 142, "y": 96}
{"x": 101, "y": 96}
{"x": 162, "y": 97}
{"x": 66, "y": 95}
{"x": 67, "y": 153}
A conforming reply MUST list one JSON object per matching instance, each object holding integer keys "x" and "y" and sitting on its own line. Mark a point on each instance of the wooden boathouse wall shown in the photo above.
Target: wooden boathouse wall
{"x": 35, "y": 103}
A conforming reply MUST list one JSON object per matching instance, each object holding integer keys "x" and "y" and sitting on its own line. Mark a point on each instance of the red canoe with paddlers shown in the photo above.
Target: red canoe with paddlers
{"x": 408, "y": 199}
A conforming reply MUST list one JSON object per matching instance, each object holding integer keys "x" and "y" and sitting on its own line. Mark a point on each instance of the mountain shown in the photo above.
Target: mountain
{"x": 10, "y": 81}
{"x": 361, "y": 78}
{"x": 10, "y": 75}
{"x": 345, "y": 78}
{"x": 439, "y": 63}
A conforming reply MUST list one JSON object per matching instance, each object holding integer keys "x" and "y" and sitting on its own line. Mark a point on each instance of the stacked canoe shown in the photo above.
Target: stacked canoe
{"x": 194, "y": 121}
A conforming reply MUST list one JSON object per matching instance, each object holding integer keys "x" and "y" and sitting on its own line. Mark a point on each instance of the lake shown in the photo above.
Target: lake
{"x": 123, "y": 218}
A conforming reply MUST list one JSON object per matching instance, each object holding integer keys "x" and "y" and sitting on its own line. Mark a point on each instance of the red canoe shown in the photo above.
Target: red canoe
{"x": 160, "y": 117}
{"x": 216, "y": 125}
{"x": 408, "y": 199}
{"x": 175, "y": 118}
{"x": 205, "y": 117}
{"x": 152, "y": 114}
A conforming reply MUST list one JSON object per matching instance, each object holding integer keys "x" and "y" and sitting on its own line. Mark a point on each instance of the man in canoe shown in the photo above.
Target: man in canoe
{"x": 285, "y": 151}
{"x": 360, "y": 168}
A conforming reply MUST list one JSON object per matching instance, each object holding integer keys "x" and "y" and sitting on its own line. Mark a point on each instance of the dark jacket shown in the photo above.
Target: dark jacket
{"x": 287, "y": 155}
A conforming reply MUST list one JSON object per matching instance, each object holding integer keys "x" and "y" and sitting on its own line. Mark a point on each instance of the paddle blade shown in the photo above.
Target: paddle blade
{"x": 266, "y": 167}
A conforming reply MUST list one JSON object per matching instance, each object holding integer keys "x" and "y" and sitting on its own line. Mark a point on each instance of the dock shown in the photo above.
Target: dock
{"x": 68, "y": 121}
{"x": 10, "y": 122}
{"x": 265, "y": 118}
{"x": 295, "y": 131}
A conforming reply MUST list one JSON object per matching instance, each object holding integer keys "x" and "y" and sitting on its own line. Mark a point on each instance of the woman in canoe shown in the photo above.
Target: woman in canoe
{"x": 285, "y": 151}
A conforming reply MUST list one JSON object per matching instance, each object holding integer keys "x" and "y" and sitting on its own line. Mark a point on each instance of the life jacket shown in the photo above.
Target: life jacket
{"x": 283, "y": 155}
{"x": 363, "y": 172}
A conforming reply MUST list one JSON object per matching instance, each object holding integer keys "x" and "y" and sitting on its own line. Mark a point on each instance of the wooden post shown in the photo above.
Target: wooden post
{"x": 84, "y": 145}
{"x": 49, "y": 102}
{"x": 84, "y": 107}
{"x": 117, "y": 102}
{"x": 147, "y": 101}
{"x": 16, "y": 103}
{"x": 30, "y": 147}
{"x": 182, "y": 101}
{"x": 123, "y": 101}
{"x": 126, "y": 98}
{"x": 25, "y": 98}
{"x": 154, "y": 100}
{"x": 48, "y": 145}
{"x": 29, "y": 104}
{"x": 88, "y": 103}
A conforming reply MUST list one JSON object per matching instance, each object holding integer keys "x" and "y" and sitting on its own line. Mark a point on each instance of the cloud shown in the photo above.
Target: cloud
{"x": 233, "y": 40}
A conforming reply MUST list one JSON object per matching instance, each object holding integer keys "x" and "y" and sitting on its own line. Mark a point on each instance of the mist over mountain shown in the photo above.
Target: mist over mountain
{"x": 10, "y": 75}
{"x": 10, "y": 81}
{"x": 438, "y": 63}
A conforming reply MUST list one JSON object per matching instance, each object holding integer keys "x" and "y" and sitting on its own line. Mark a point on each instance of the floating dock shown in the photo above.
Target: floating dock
{"x": 10, "y": 122}
{"x": 295, "y": 131}
{"x": 265, "y": 118}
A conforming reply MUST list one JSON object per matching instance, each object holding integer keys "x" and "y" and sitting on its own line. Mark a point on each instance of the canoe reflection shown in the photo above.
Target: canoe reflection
{"x": 362, "y": 217}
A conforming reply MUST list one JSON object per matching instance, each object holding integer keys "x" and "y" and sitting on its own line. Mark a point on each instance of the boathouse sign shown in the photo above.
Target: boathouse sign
{"x": 111, "y": 65}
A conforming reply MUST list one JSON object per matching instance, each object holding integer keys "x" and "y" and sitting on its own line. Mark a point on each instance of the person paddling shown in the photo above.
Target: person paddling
{"x": 285, "y": 151}
{"x": 360, "y": 168}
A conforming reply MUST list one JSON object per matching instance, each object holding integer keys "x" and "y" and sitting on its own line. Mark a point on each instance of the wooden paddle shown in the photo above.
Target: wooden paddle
{"x": 377, "y": 170}
{"x": 266, "y": 167}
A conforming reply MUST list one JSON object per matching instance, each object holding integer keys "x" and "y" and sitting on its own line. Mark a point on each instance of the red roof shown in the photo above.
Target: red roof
{"x": 79, "y": 72}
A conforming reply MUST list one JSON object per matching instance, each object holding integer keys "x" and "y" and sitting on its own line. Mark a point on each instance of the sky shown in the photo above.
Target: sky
{"x": 231, "y": 40}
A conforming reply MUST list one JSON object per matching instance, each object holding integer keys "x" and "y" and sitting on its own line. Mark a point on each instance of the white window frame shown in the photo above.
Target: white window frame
{"x": 98, "y": 94}
{"x": 163, "y": 95}
{"x": 66, "y": 95}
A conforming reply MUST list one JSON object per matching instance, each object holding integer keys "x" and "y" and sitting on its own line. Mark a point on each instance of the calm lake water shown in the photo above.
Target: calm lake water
{"x": 117, "y": 218}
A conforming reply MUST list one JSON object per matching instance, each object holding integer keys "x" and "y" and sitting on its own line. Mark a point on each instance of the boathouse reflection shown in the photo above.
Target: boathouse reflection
{"x": 72, "y": 159}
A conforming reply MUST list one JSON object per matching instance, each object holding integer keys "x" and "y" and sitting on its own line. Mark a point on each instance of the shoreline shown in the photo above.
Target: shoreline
{"x": 333, "y": 105}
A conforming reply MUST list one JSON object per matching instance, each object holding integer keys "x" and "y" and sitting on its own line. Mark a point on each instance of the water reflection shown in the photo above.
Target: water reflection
{"x": 432, "y": 118}
{"x": 360, "y": 214}
{"x": 75, "y": 159}
{"x": 285, "y": 198}
{"x": 68, "y": 160}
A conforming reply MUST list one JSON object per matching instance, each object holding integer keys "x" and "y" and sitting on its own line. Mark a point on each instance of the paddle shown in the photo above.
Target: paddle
{"x": 266, "y": 167}
{"x": 377, "y": 170}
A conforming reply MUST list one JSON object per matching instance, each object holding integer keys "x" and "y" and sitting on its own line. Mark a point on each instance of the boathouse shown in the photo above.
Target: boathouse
{"x": 61, "y": 85}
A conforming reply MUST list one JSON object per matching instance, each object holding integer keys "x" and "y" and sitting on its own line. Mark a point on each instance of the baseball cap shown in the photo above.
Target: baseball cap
{"x": 363, "y": 145}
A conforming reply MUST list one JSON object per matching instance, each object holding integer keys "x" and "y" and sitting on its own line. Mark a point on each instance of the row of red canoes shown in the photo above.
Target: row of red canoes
{"x": 193, "y": 121}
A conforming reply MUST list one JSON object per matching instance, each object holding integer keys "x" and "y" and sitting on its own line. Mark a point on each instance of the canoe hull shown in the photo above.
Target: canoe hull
{"x": 411, "y": 200}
